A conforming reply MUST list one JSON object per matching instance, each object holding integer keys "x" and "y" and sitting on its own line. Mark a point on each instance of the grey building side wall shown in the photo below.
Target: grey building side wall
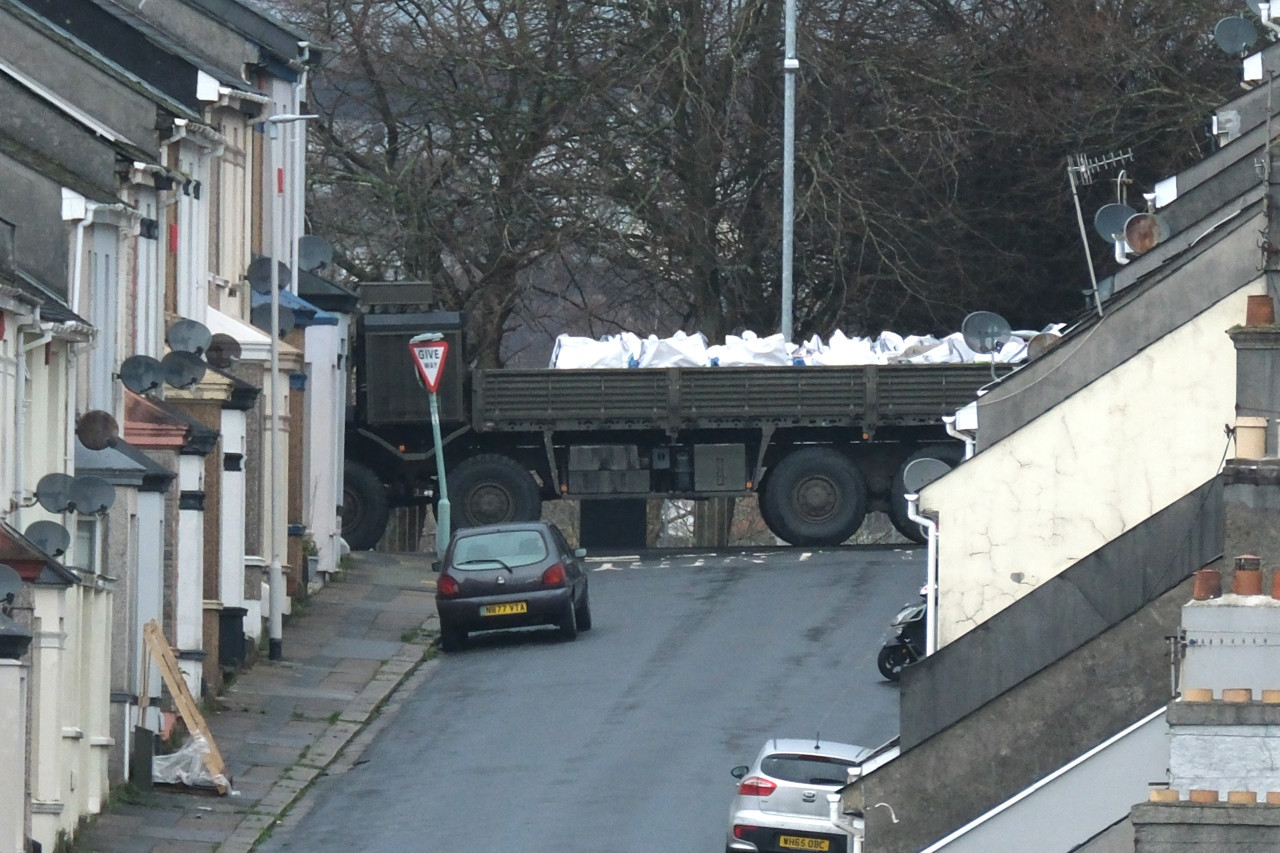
{"x": 81, "y": 82}
{"x": 1220, "y": 264}
{"x": 1115, "y": 839}
{"x": 209, "y": 38}
{"x": 1097, "y": 592}
{"x": 1185, "y": 827}
{"x": 1019, "y": 738}
{"x": 63, "y": 142}
{"x": 32, "y": 203}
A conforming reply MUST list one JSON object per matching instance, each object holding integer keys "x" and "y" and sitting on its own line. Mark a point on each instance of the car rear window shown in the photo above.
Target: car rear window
{"x": 511, "y": 548}
{"x": 806, "y": 769}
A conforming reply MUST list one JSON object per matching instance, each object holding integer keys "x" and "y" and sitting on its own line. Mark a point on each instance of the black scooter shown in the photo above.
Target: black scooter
{"x": 905, "y": 644}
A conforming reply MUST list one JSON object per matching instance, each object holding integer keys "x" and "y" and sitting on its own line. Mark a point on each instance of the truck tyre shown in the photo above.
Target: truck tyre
{"x": 951, "y": 454}
{"x": 814, "y": 496}
{"x": 490, "y": 489}
{"x": 364, "y": 506}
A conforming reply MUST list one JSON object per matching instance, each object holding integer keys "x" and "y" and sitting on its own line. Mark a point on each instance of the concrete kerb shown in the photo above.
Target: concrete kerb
{"x": 331, "y": 745}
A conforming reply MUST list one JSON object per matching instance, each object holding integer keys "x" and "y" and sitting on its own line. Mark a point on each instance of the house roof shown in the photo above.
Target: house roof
{"x": 122, "y": 464}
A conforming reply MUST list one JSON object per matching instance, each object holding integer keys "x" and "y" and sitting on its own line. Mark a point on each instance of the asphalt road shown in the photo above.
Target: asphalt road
{"x": 622, "y": 740}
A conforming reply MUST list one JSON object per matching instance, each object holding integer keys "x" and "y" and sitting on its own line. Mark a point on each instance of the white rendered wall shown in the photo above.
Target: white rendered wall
{"x": 326, "y": 424}
{"x": 13, "y": 745}
{"x": 1100, "y": 462}
{"x": 189, "y": 586}
{"x": 232, "y": 512}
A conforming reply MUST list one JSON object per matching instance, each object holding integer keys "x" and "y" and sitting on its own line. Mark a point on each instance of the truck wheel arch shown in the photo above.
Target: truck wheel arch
{"x": 365, "y": 507}
{"x": 814, "y": 495}
{"x": 490, "y": 488}
{"x": 951, "y": 454}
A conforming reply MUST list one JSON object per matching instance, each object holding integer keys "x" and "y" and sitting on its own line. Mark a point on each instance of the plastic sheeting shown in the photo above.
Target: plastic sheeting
{"x": 187, "y": 766}
{"x": 691, "y": 350}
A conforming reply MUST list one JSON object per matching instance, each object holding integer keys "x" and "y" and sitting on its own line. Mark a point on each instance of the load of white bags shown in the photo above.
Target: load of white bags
{"x": 684, "y": 350}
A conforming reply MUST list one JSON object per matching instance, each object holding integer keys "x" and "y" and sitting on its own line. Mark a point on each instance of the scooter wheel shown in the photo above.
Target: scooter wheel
{"x": 893, "y": 659}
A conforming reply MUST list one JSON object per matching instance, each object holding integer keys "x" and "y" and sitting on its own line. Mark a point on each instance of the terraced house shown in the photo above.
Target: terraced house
{"x": 1104, "y": 474}
{"x": 156, "y": 464}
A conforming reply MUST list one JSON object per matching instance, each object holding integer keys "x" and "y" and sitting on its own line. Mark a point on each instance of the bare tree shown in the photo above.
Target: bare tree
{"x": 561, "y": 164}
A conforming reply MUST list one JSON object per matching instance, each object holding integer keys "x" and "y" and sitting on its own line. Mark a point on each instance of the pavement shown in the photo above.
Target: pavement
{"x": 282, "y": 724}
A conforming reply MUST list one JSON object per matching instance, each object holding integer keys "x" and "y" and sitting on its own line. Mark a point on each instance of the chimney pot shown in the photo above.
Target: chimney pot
{"x": 1260, "y": 310}
{"x": 1208, "y": 584}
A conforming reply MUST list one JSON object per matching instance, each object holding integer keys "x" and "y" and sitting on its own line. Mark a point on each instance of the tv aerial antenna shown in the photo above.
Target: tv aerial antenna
{"x": 1083, "y": 170}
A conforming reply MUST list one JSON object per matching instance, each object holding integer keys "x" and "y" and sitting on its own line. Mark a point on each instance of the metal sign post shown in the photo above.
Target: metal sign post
{"x": 429, "y": 351}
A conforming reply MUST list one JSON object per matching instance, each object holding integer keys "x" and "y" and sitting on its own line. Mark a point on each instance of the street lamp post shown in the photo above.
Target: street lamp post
{"x": 275, "y": 572}
{"x": 790, "y": 65}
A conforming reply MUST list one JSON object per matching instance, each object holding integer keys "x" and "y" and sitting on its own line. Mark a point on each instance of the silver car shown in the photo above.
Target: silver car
{"x": 782, "y": 805}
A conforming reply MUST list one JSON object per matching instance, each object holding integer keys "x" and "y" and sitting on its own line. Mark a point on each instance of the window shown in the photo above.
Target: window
{"x": 88, "y": 544}
{"x": 510, "y": 548}
{"x": 806, "y": 769}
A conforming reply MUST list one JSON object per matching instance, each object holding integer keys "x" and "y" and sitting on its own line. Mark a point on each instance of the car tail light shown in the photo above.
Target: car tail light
{"x": 755, "y": 786}
{"x": 741, "y": 830}
{"x": 553, "y": 576}
{"x": 447, "y": 586}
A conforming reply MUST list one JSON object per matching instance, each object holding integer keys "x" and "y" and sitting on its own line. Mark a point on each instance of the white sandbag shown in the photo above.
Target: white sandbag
{"x": 572, "y": 352}
{"x": 843, "y": 350}
{"x": 679, "y": 350}
{"x": 749, "y": 349}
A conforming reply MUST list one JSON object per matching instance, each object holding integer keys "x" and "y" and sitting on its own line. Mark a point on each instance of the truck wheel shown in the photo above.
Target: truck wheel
{"x": 951, "y": 454}
{"x": 364, "y": 506}
{"x": 490, "y": 489}
{"x": 814, "y": 496}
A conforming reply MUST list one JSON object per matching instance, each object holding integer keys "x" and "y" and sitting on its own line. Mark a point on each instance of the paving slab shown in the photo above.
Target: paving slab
{"x": 281, "y": 724}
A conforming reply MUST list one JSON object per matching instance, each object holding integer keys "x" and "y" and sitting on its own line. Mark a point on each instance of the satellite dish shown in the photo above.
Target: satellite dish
{"x": 1110, "y": 219}
{"x": 92, "y": 495}
{"x": 259, "y": 274}
{"x": 141, "y": 373}
{"x": 53, "y": 492}
{"x": 921, "y": 473}
{"x": 188, "y": 336}
{"x": 1041, "y": 344}
{"x": 1256, "y": 6}
{"x": 260, "y": 316}
{"x": 314, "y": 253}
{"x": 97, "y": 430}
{"x": 10, "y": 586}
{"x": 1234, "y": 35}
{"x": 1144, "y": 231}
{"x": 182, "y": 369}
{"x": 223, "y": 351}
{"x": 49, "y": 536}
{"x": 985, "y": 332}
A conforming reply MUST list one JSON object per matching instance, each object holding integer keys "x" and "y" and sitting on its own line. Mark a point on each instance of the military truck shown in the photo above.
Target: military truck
{"x": 819, "y": 446}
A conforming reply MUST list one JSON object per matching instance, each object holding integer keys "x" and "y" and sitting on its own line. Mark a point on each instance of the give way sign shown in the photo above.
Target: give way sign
{"x": 429, "y": 357}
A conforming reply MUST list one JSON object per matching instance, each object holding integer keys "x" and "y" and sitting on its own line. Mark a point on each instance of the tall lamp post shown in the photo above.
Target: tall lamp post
{"x": 275, "y": 572}
{"x": 790, "y": 65}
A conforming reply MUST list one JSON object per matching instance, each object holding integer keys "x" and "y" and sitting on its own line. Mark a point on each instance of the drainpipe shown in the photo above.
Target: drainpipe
{"x": 78, "y": 264}
{"x": 36, "y": 327}
{"x": 949, "y": 421}
{"x": 931, "y": 574}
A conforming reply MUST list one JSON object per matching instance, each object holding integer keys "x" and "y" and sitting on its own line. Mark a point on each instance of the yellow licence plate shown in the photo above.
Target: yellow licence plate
{"x": 793, "y": 842}
{"x": 522, "y": 607}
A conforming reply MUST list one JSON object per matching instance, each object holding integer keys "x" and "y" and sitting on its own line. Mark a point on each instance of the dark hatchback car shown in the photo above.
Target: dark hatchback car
{"x": 510, "y": 576}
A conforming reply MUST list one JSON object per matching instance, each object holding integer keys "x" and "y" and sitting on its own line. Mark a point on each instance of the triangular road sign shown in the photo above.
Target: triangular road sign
{"x": 429, "y": 357}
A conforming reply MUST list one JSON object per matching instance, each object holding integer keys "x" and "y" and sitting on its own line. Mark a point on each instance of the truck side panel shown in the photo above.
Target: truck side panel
{"x": 676, "y": 399}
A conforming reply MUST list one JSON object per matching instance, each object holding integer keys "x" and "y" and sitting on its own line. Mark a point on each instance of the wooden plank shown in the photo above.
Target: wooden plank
{"x": 187, "y": 708}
